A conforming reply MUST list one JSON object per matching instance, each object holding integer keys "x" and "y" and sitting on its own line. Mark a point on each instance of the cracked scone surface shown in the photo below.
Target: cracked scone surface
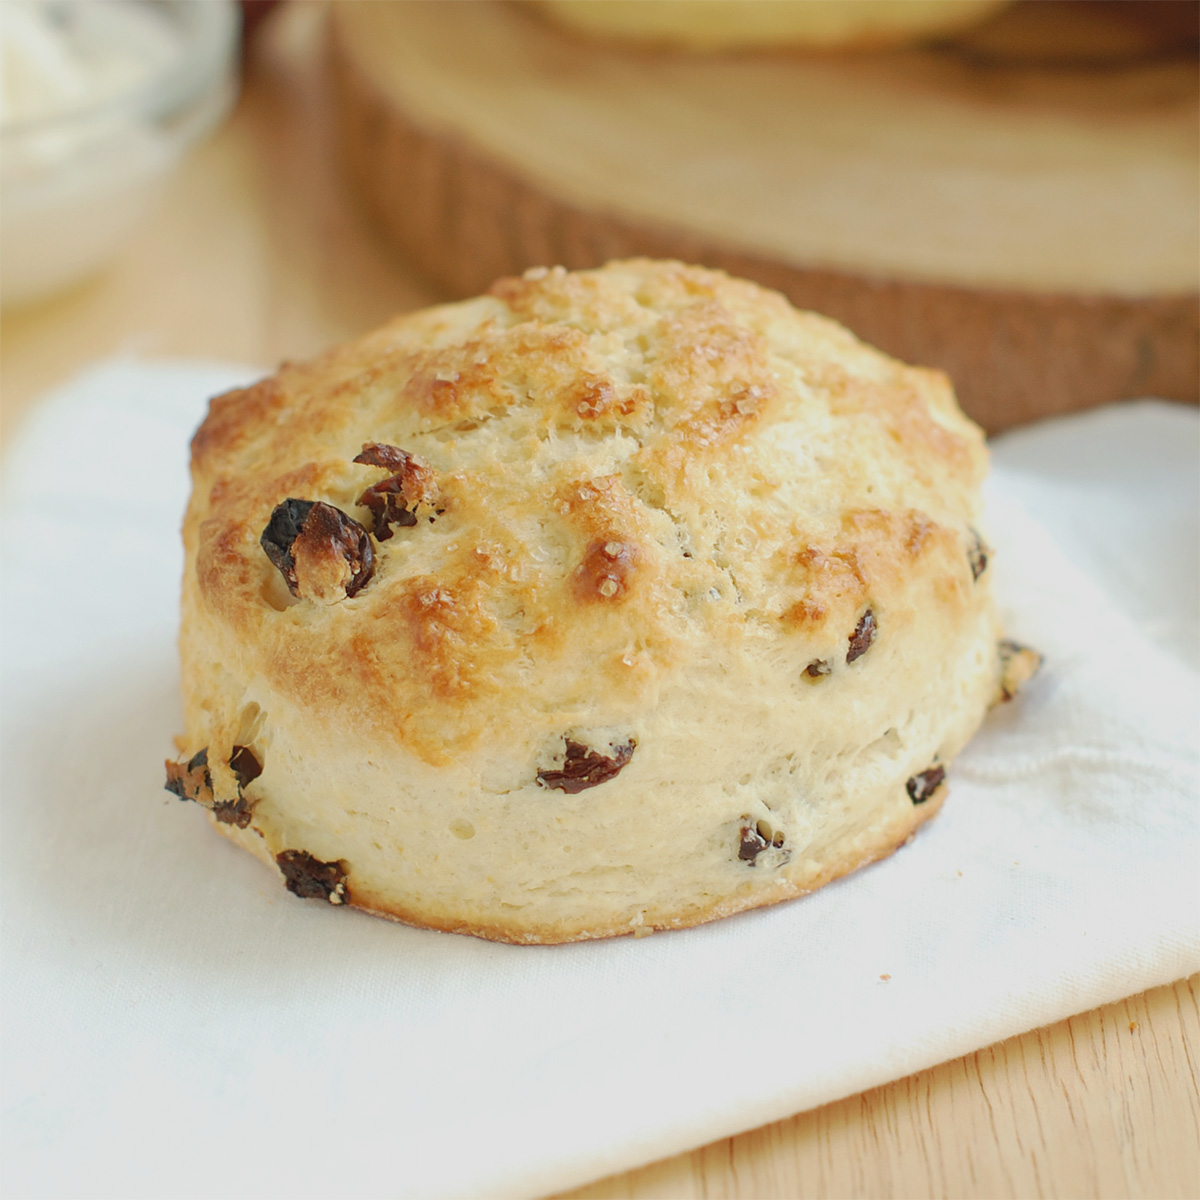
{"x": 648, "y": 599}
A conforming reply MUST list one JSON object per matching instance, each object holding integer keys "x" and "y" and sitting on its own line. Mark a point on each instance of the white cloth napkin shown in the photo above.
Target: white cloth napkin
{"x": 177, "y": 1025}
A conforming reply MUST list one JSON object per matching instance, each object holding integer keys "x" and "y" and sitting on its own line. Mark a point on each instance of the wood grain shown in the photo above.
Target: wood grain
{"x": 1102, "y": 1105}
{"x": 453, "y": 130}
{"x": 257, "y": 257}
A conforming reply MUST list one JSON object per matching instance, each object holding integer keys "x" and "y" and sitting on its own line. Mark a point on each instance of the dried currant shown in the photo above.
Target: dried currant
{"x": 394, "y": 501}
{"x": 585, "y": 768}
{"x": 752, "y": 843}
{"x": 280, "y": 536}
{"x": 977, "y": 555}
{"x": 380, "y": 454}
{"x": 388, "y": 508}
{"x": 311, "y": 879}
{"x": 1018, "y": 665}
{"x": 817, "y": 668}
{"x": 244, "y": 764}
{"x": 233, "y": 812}
{"x": 921, "y": 787}
{"x": 191, "y": 780}
{"x": 246, "y": 768}
{"x": 756, "y": 838}
{"x": 320, "y": 552}
{"x": 862, "y": 637}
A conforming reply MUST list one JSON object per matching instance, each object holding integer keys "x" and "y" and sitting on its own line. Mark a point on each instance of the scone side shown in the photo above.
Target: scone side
{"x": 336, "y": 810}
{"x": 889, "y": 840}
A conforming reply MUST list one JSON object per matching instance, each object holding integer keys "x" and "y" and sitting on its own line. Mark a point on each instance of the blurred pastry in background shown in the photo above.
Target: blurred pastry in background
{"x": 715, "y": 25}
{"x": 1016, "y": 204}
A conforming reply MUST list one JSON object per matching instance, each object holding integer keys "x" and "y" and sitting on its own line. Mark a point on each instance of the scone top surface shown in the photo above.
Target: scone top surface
{"x": 755, "y": 470}
{"x": 617, "y": 486}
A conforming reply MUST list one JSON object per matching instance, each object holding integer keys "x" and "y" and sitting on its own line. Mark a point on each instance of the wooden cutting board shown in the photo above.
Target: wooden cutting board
{"x": 1020, "y": 207}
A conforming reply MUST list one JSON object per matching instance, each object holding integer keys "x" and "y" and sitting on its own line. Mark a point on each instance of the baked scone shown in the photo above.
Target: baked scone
{"x": 606, "y": 602}
{"x": 707, "y": 25}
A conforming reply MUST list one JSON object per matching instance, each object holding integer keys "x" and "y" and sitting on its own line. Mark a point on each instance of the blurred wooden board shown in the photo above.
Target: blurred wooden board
{"x": 1020, "y": 207}
{"x": 1013, "y": 1120}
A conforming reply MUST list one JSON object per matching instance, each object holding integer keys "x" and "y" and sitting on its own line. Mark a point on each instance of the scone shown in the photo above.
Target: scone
{"x": 606, "y": 602}
{"x": 707, "y": 25}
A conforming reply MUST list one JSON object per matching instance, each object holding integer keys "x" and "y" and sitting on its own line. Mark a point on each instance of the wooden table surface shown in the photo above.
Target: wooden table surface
{"x": 257, "y": 256}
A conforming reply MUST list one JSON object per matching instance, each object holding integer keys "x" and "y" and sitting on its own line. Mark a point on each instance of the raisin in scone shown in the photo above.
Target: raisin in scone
{"x": 606, "y": 602}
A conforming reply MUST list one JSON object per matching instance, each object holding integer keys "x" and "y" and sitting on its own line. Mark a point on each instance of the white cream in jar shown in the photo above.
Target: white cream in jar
{"x": 95, "y": 108}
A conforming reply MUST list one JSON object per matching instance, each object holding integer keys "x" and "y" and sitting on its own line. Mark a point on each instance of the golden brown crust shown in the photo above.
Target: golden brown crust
{"x": 871, "y": 549}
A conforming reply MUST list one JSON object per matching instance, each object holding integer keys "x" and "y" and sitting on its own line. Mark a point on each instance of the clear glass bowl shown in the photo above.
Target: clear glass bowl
{"x": 76, "y": 184}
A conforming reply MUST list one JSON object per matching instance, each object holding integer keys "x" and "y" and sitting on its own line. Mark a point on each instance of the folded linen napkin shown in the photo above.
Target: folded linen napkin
{"x": 177, "y": 1025}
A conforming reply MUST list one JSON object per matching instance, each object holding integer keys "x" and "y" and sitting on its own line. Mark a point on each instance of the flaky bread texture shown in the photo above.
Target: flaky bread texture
{"x": 687, "y": 616}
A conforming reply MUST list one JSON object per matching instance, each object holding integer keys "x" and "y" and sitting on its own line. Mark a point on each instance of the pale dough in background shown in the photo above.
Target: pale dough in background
{"x": 708, "y": 25}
